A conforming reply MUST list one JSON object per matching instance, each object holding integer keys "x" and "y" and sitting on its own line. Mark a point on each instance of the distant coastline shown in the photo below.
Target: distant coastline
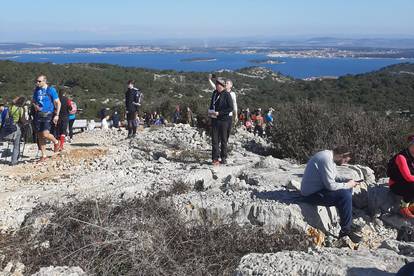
{"x": 266, "y": 61}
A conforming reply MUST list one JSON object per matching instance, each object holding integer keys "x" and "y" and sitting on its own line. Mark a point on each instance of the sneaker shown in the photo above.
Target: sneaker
{"x": 215, "y": 162}
{"x": 355, "y": 238}
{"x": 56, "y": 147}
{"x": 406, "y": 212}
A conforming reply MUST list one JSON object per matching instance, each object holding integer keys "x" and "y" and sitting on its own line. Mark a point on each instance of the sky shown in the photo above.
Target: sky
{"x": 128, "y": 20}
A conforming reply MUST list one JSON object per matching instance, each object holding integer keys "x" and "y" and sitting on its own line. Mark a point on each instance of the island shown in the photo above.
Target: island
{"x": 198, "y": 59}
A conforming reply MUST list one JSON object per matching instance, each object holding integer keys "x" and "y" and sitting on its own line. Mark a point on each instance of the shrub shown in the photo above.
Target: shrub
{"x": 303, "y": 129}
{"x": 141, "y": 237}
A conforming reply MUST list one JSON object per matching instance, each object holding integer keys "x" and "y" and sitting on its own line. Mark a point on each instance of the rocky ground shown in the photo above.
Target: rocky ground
{"x": 253, "y": 189}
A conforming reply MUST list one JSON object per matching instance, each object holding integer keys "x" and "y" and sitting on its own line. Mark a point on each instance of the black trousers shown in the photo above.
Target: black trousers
{"x": 219, "y": 137}
{"x": 71, "y": 128}
{"x": 405, "y": 190}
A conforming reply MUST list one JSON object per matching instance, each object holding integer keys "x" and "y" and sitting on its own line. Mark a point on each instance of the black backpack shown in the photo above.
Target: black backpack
{"x": 392, "y": 169}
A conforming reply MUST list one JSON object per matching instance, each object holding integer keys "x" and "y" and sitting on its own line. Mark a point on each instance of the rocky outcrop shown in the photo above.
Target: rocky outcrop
{"x": 326, "y": 262}
{"x": 252, "y": 189}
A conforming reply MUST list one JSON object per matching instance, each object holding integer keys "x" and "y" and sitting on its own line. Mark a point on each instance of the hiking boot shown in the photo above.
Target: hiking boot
{"x": 215, "y": 163}
{"x": 355, "y": 238}
{"x": 406, "y": 212}
{"x": 223, "y": 161}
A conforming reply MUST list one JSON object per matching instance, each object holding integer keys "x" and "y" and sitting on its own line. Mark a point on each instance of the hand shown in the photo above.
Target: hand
{"x": 36, "y": 107}
{"x": 210, "y": 76}
{"x": 352, "y": 183}
{"x": 216, "y": 113}
{"x": 55, "y": 119}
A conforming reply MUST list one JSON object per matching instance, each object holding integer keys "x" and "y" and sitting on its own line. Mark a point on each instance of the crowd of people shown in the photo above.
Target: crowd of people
{"x": 51, "y": 115}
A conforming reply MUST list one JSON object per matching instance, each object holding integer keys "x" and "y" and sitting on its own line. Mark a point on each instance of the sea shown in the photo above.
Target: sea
{"x": 214, "y": 61}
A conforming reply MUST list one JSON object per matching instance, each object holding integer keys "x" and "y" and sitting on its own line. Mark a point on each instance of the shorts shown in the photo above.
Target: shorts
{"x": 43, "y": 123}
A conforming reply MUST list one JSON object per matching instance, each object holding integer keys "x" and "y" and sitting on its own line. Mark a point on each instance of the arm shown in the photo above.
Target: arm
{"x": 328, "y": 176}
{"x": 233, "y": 97}
{"x": 57, "y": 105}
{"x": 402, "y": 166}
{"x": 212, "y": 84}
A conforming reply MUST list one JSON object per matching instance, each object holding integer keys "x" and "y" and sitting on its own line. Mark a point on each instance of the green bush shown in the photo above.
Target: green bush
{"x": 305, "y": 128}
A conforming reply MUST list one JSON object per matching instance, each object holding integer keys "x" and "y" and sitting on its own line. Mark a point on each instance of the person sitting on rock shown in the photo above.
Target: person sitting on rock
{"x": 401, "y": 178}
{"x": 322, "y": 186}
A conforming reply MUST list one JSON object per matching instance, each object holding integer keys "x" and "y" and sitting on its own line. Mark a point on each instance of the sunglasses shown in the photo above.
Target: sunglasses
{"x": 38, "y": 81}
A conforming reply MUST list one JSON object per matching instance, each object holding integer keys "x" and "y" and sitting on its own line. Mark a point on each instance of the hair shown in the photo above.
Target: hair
{"x": 19, "y": 101}
{"x": 131, "y": 82}
{"x": 342, "y": 150}
{"x": 43, "y": 76}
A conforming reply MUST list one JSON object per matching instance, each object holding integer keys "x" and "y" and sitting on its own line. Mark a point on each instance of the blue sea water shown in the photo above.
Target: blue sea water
{"x": 295, "y": 67}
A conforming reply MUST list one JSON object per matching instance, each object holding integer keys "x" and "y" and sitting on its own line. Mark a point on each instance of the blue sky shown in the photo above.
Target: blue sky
{"x": 93, "y": 20}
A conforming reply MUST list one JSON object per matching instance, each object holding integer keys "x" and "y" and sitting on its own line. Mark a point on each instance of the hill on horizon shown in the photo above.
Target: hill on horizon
{"x": 95, "y": 86}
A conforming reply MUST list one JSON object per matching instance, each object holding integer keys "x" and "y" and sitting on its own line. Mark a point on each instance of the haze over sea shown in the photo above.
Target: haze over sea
{"x": 295, "y": 67}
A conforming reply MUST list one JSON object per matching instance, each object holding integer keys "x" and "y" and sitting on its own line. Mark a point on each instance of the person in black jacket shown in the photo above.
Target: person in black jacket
{"x": 133, "y": 98}
{"x": 220, "y": 106}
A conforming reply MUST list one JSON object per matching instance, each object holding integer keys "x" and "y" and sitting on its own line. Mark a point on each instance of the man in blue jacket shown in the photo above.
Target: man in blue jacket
{"x": 47, "y": 105}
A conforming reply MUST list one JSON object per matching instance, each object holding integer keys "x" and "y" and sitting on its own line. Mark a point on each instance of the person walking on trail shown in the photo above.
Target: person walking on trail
{"x": 133, "y": 100}
{"x": 220, "y": 106}
{"x": 16, "y": 114}
{"x": 322, "y": 186}
{"x": 60, "y": 130}
{"x": 73, "y": 109}
{"x": 46, "y": 104}
{"x": 401, "y": 178}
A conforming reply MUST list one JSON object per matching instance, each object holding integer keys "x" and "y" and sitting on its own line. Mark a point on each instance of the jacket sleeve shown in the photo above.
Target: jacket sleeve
{"x": 402, "y": 166}
{"x": 228, "y": 104}
{"x": 233, "y": 98}
{"x": 328, "y": 175}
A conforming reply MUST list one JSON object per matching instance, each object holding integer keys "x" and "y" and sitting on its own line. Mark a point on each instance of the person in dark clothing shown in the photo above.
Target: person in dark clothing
{"x": 115, "y": 119}
{"x": 60, "y": 130}
{"x": 401, "y": 178}
{"x": 133, "y": 99}
{"x": 220, "y": 106}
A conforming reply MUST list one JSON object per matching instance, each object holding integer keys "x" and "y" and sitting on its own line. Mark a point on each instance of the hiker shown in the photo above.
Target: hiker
{"x": 258, "y": 123}
{"x": 269, "y": 121}
{"x": 11, "y": 126}
{"x": 220, "y": 106}
{"x": 133, "y": 99}
{"x": 73, "y": 109}
{"x": 46, "y": 104}
{"x": 177, "y": 115}
{"x": 60, "y": 129}
{"x": 233, "y": 114}
{"x": 322, "y": 186}
{"x": 115, "y": 119}
{"x": 189, "y": 116}
{"x": 401, "y": 177}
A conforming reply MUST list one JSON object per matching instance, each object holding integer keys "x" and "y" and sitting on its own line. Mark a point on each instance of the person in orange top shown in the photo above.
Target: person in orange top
{"x": 401, "y": 178}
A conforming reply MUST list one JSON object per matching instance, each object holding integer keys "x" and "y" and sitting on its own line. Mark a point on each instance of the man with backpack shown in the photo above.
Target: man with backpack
{"x": 10, "y": 127}
{"x": 133, "y": 99}
{"x": 46, "y": 104}
{"x": 400, "y": 171}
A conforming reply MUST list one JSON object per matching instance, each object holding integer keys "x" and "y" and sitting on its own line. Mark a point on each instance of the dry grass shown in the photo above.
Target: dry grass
{"x": 139, "y": 237}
